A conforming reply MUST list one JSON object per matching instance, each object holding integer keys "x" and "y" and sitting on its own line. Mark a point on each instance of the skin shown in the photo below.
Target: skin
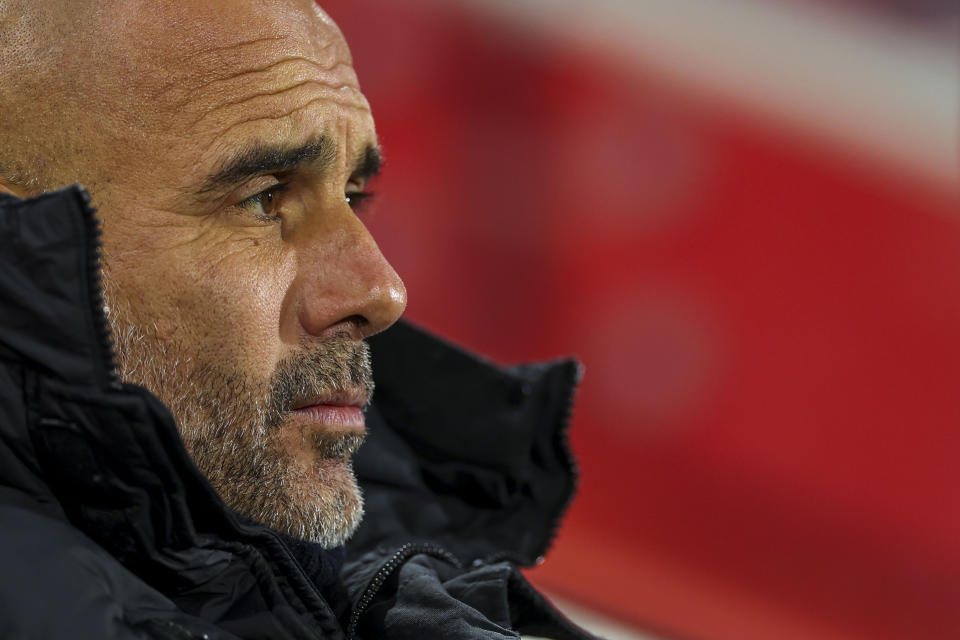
{"x": 147, "y": 105}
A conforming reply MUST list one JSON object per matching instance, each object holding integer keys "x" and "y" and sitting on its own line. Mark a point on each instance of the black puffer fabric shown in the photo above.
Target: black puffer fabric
{"x": 107, "y": 530}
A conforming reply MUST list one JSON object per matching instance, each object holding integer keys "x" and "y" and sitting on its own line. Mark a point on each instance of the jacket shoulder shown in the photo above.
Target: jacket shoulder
{"x": 57, "y": 583}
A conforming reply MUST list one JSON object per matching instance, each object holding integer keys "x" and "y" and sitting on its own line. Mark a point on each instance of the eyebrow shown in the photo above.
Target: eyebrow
{"x": 259, "y": 159}
{"x": 369, "y": 164}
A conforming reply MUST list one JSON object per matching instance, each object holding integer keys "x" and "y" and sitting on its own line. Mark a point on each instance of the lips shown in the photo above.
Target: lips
{"x": 341, "y": 410}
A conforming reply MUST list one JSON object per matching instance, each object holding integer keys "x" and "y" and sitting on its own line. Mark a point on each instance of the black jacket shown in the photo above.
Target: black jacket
{"x": 107, "y": 530}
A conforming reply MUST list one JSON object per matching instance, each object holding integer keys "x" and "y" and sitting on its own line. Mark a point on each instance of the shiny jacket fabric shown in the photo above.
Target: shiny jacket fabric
{"x": 107, "y": 530}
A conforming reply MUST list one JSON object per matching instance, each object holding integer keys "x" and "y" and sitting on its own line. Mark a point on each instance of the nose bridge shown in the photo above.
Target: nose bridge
{"x": 345, "y": 282}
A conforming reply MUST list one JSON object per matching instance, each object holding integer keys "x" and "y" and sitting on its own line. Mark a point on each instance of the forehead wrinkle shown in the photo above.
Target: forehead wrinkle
{"x": 267, "y": 94}
{"x": 319, "y": 66}
{"x": 221, "y": 62}
{"x": 276, "y": 103}
{"x": 276, "y": 90}
{"x": 195, "y": 65}
{"x": 236, "y": 45}
{"x": 204, "y": 65}
{"x": 304, "y": 71}
{"x": 347, "y": 106}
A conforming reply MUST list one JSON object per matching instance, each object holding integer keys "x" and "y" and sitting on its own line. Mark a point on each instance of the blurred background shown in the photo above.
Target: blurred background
{"x": 743, "y": 216}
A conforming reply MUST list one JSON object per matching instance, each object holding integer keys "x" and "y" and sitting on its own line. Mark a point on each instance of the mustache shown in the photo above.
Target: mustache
{"x": 340, "y": 364}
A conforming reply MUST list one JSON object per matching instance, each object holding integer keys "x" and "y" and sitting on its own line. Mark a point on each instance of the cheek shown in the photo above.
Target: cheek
{"x": 236, "y": 304}
{"x": 222, "y": 305}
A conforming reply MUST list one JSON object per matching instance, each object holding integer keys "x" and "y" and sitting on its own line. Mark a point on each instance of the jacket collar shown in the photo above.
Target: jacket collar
{"x": 462, "y": 452}
{"x": 50, "y": 288}
{"x": 106, "y": 455}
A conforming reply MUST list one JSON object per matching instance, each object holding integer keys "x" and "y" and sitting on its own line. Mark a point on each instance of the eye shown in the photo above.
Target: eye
{"x": 359, "y": 200}
{"x": 264, "y": 205}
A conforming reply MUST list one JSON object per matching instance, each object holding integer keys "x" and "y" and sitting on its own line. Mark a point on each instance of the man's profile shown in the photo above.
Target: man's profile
{"x": 224, "y": 203}
{"x": 227, "y": 150}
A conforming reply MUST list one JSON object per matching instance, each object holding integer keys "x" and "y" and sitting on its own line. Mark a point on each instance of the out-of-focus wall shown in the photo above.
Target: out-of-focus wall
{"x": 751, "y": 238}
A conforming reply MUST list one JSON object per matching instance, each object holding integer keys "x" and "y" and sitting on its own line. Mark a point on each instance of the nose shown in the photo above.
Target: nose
{"x": 344, "y": 283}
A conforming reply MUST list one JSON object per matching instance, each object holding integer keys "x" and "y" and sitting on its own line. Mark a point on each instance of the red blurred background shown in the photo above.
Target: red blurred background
{"x": 743, "y": 219}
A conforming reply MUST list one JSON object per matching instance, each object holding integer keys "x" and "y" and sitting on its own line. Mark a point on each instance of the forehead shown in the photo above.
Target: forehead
{"x": 218, "y": 72}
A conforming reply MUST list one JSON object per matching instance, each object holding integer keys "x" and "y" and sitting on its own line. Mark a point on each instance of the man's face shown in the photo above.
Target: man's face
{"x": 233, "y": 146}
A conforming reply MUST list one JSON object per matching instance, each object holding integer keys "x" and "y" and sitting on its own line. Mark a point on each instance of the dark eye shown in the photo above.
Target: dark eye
{"x": 264, "y": 204}
{"x": 359, "y": 200}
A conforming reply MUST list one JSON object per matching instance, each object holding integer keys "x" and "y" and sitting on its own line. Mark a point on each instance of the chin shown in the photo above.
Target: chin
{"x": 323, "y": 505}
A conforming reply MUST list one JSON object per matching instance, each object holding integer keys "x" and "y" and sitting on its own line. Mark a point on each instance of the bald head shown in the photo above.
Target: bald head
{"x": 37, "y": 45}
{"x": 82, "y": 81}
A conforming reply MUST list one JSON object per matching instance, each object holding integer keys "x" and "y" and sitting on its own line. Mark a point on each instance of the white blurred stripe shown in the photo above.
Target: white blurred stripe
{"x": 871, "y": 85}
{"x": 597, "y": 623}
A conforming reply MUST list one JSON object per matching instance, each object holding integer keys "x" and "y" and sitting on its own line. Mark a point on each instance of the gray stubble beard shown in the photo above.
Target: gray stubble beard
{"x": 230, "y": 426}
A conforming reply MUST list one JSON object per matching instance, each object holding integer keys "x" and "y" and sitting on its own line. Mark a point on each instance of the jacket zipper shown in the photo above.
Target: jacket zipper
{"x": 395, "y": 561}
{"x": 92, "y": 253}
